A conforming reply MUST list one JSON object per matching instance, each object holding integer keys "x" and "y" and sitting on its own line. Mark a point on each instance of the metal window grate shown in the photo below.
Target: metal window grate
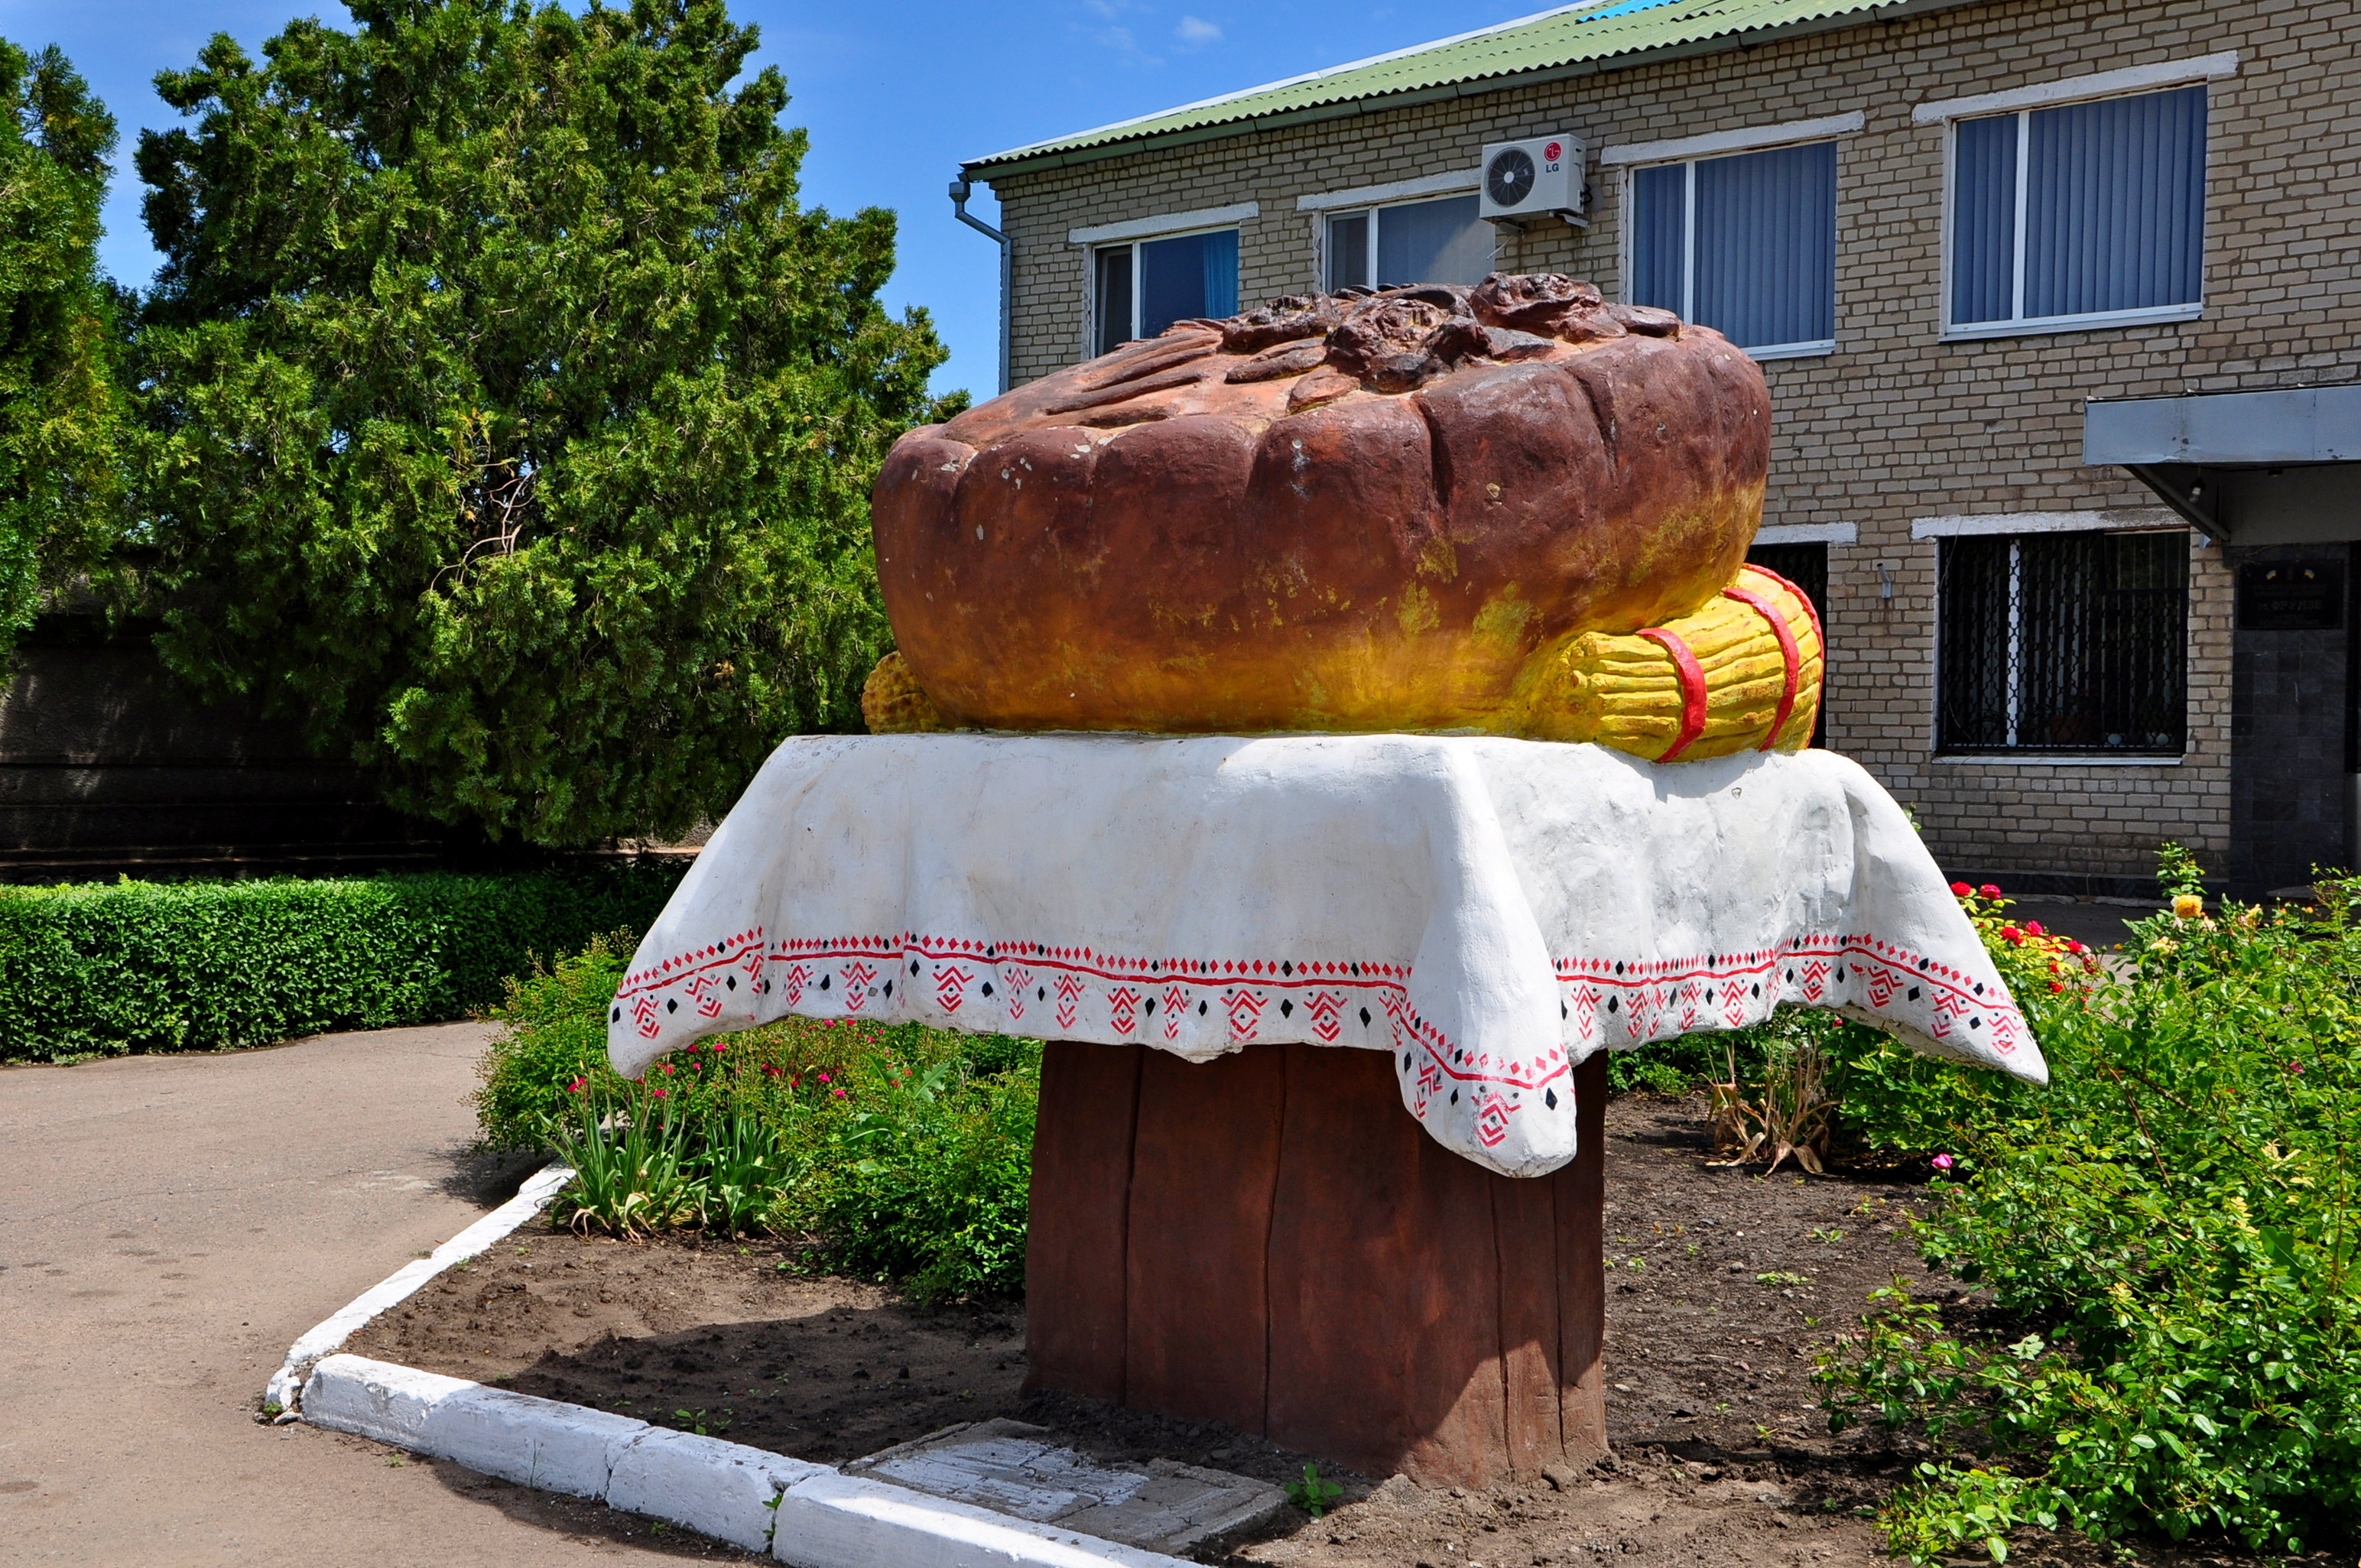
{"x": 2074, "y": 642}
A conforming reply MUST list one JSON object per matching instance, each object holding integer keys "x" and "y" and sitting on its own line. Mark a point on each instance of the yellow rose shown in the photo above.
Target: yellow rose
{"x": 2188, "y": 906}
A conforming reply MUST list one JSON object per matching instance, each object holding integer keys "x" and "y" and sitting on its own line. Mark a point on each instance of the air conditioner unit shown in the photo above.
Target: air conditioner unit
{"x": 1527, "y": 178}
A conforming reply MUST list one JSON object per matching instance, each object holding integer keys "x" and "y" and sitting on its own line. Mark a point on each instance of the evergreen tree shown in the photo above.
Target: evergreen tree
{"x": 508, "y": 418}
{"x": 60, "y": 406}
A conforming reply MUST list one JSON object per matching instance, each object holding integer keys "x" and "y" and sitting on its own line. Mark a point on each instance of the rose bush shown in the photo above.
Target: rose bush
{"x": 2169, "y": 1231}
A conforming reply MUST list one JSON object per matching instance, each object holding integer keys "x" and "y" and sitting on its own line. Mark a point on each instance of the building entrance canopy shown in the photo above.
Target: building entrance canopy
{"x": 2248, "y": 468}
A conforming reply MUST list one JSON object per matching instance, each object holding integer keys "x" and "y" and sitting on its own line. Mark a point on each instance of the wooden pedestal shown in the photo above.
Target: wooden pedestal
{"x": 1270, "y": 1240}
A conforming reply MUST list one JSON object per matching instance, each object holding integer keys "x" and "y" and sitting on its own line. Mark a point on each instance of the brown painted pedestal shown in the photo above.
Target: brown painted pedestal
{"x": 1270, "y": 1240}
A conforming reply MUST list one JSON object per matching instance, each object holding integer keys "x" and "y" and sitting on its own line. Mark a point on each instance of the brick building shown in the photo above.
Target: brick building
{"x": 2058, "y": 305}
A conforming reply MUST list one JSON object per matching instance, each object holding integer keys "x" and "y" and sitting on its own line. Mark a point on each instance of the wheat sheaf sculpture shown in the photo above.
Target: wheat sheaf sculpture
{"x": 1512, "y": 509}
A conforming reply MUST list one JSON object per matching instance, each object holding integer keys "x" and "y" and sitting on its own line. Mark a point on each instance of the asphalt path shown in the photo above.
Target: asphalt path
{"x": 168, "y": 1225}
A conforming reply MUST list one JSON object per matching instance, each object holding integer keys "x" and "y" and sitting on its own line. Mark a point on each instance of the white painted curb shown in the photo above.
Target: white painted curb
{"x": 329, "y": 1337}
{"x": 810, "y": 1515}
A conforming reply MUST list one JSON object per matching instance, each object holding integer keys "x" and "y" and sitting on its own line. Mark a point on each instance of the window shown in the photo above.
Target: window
{"x": 2073, "y": 643}
{"x": 2081, "y": 214}
{"x": 1746, "y": 244}
{"x": 1807, "y": 566}
{"x": 1147, "y": 285}
{"x": 1415, "y": 242}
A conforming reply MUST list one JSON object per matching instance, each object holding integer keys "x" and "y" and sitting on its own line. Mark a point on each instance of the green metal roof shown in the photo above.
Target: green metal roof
{"x": 1563, "y": 41}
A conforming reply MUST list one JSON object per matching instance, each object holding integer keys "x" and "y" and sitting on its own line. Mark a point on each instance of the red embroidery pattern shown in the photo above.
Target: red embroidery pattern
{"x": 1602, "y": 1001}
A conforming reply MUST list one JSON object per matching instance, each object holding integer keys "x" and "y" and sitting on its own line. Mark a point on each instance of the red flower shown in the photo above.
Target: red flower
{"x": 1960, "y": 889}
{"x": 2072, "y": 947}
{"x": 577, "y": 1085}
{"x": 2056, "y": 985}
{"x": 667, "y": 1067}
{"x": 1989, "y": 890}
{"x": 2011, "y": 934}
{"x": 660, "y": 1093}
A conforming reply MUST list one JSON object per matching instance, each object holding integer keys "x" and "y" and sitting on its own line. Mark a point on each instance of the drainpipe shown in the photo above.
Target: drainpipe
{"x": 1007, "y": 336}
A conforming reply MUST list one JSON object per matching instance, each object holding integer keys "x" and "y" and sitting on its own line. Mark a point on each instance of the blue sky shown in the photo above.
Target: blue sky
{"x": 894, "y": 95}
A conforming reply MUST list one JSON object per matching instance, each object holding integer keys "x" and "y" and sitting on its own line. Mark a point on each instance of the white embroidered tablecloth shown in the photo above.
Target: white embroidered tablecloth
{"x": 1489, "y": 911}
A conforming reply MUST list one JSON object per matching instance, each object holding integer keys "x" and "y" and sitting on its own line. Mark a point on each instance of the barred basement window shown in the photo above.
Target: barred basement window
{"x": 2066, "y": 642}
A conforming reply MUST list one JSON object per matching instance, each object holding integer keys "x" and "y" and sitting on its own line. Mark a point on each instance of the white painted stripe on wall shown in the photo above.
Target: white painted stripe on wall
{"x": 1394, "y": 190}
{"x": 1808, "y": 533}
{"x": 2113, "y": 519}
{"x": 1169, "y": 222}
{"x": 2106, "y": 84}
{"x": 1731, "y": 141}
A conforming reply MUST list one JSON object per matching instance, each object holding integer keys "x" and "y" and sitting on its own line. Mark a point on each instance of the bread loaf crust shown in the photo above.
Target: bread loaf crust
{"x": 1354, "y": 514}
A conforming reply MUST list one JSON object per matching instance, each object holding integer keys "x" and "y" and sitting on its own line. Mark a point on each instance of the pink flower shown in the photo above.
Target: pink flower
{"x": 577, "y": 1085}
{"x": 660, "y": 1093}
{"x": 667, "y": 1067}
{"x": 1960, "y": 889}
{"x": 837, "y": 1092}
{"x": 716, "y": 1048}
{"x": 2296, "y": 1067}
{"x": 1943, "y": 1162}
{"x": 1988, "y": 891}
{"x": 825, "y": 1079}
{"x": 2033, "y": 927}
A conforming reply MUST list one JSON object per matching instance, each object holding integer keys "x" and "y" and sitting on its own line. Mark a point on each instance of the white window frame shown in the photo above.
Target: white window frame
{"x": 2023, "y": 102}
{"x": 1368, "y": 200}
{"x": 1171, "y": 225}
{"x": 1815, "y": 349}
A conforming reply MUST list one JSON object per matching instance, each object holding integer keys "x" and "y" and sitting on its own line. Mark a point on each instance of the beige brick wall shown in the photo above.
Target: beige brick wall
{"x": 1895, "y": 424}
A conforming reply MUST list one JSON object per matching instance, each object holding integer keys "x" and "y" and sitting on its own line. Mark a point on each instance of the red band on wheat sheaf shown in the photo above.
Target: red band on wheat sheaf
{"x": 1692, "y": 678}
{"x": 1789, "y": 653}
{"x": 1802, "y": 598}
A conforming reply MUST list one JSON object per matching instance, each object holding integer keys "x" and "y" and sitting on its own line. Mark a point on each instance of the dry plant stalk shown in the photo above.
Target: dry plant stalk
{"x": 1793, "y": 1117}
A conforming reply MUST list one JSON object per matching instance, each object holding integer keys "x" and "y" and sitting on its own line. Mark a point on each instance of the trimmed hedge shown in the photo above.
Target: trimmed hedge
{"x": 102, "y": 969}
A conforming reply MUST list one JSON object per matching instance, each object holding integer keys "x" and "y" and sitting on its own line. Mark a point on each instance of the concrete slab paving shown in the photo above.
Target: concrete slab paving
{"x": 1015, "y": 1468}
{"x": 168, "y": 1225}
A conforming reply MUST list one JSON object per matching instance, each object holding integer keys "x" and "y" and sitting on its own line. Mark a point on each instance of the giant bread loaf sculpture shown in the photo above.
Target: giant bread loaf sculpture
{"x": 1511, "y": 509}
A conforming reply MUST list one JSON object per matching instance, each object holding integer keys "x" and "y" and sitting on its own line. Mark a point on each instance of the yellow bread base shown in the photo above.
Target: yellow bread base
{"x": 1627, "y": 690}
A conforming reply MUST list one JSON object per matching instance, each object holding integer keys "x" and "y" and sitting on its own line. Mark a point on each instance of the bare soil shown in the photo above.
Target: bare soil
{"x": 1723, "y": 1286}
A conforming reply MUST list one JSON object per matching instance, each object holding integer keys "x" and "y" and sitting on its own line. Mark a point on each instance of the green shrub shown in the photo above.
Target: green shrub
{"x": 2171, "y": 1231}
{"x": 102, "y": 969}
{"x": 906, "y": 1153}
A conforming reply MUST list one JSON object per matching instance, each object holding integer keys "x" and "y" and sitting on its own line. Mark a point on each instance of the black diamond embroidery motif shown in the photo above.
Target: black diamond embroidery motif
{"x": 672, "y": 1005}
{"x": 889, "y": 988}
{"x": 1287, "y": 1009}
{"x": 616, "y": 1016}
{"x": 1549, "y": 1097}
{"x": 987, "y": 988}
{"x": 1365, "y": 1018}
{"x": 823, "y": 983}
